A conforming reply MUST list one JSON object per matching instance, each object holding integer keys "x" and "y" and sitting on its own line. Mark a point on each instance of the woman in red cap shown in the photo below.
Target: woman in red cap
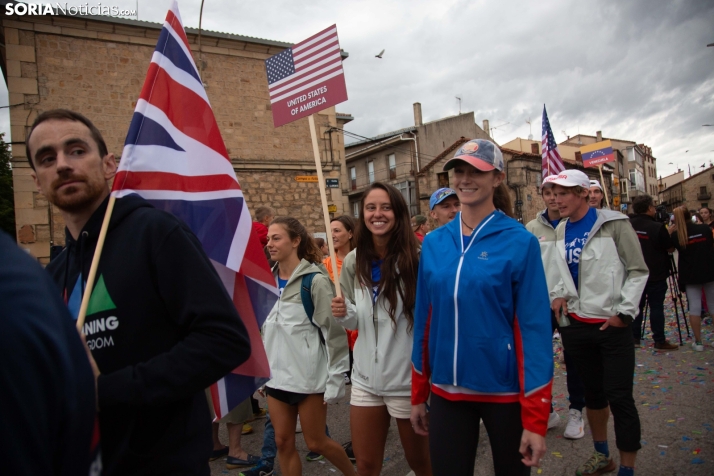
{"x": 482, "y": 336}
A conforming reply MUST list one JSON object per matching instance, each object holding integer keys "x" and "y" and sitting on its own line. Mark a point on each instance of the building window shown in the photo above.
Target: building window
{"x": 353, "y": 178}
{"x": 534, "y": 149}
{"x": 409, "y": 194}
{"x": 355, "y": 209}
{"x": 443, "y": 178}
{"x": 392, "y": 166}
{"x": 370, "y": 171}
{"x": 637, "y": 181}
{"x": 703, "y": 190}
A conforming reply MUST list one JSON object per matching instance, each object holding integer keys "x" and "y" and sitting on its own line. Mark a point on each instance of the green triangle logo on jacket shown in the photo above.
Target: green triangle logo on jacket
{"x": 100, "y": 300}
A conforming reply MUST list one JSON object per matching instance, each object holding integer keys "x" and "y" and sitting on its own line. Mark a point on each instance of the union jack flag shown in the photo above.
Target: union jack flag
{"x": 175, "y": 158}
{"x": 552, "y": 162}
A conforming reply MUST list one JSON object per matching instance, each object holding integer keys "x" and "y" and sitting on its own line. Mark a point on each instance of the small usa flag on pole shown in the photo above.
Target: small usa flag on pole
{"x": 306, "y": 78}
{"x": 552, "y": 162}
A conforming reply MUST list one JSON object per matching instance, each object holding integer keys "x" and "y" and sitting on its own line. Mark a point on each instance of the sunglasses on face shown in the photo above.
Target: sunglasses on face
{"x": 443, "y": 194}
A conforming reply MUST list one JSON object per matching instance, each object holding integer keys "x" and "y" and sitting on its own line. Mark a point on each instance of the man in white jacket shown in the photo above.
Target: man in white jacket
{"x": 602, "y": 276}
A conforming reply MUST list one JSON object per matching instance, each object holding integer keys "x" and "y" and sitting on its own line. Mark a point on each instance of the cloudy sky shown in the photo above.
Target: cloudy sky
{"x": 637, "y": 69}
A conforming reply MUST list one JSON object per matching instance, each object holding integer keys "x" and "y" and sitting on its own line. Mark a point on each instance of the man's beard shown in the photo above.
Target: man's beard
{"x": 78, "y": 197}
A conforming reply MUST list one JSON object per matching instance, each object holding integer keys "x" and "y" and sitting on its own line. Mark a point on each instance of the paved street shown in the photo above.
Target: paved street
{"x": 674, "y": 393}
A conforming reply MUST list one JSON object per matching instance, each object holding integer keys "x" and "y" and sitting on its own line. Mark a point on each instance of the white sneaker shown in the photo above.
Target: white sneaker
{"x": 698, "y": 347}
{"x": 553, "y": 420}
{"x": 298, "y": 427}
{"x": 576, "y": 428}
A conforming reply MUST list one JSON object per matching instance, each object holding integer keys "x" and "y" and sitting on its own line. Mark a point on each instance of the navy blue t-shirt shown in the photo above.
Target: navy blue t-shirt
{"x": 376, "y": 278}
{"x": 281, "y": 284}
{"x": 576, "y": 235}
{"x": 553, "y": 223}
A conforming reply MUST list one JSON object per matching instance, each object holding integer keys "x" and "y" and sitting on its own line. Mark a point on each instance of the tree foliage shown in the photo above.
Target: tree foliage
{"x": 7, "y": 197}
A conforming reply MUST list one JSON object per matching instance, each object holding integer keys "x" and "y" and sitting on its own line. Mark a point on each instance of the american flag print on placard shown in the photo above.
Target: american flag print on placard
{"x": 306, "y": 78}
{"x": 175, "y": 158}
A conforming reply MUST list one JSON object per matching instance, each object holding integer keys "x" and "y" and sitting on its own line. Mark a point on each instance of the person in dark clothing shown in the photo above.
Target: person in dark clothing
{"x": 656, "y": 246}
{"x": 707, "y": 218}
{"x": 160, "y": 324}
{"x": 696, "y": 266}
{"x": 47, "y": 399}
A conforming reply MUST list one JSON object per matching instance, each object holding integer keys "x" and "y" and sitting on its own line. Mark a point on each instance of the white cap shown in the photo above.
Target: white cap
{"x": 595, "y": 183}
{"x": 571, "y": 178}
{"x": 548, "y": 181}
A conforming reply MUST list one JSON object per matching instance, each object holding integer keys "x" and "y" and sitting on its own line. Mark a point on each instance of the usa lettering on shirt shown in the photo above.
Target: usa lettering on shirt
{"x": 574, "y": 249}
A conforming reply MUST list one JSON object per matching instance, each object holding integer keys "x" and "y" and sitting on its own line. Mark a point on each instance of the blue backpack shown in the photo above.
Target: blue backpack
{"x": 307, "y": 304}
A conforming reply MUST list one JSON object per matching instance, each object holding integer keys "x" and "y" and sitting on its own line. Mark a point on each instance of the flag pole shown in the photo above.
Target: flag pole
{"x": 323, "y": 198}
{"x": 95, "y": 264}
{"x": 602, "y": 181}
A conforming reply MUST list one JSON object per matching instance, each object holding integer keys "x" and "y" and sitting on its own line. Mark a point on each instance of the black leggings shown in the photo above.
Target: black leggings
{"x": 454, "y": 431}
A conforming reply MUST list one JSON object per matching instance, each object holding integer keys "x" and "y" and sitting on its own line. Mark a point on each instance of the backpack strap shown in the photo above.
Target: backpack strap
{"x": 307, "y": 304}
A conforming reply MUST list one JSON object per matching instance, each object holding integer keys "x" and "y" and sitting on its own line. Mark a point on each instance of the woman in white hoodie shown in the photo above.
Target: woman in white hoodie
{"x": 378, "y": 280}
{"x": 307, "y": 354}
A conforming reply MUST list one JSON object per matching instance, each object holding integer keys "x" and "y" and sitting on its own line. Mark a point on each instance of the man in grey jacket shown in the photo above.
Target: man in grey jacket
{"x": 602, "y": 276}
{"x": 543, "y": 227}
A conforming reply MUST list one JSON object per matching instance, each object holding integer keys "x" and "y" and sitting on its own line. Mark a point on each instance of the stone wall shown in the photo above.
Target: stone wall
{"x": 279, "y": 190}
{"x": 692, "y": 188}
{"x": 523, "y": 179}
{"x": 98, "y": 67}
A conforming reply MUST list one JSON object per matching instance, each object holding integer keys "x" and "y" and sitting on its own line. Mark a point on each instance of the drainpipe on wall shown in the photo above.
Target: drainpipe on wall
{"x": 416, "y": 148}
{"x": 416, "y": 174}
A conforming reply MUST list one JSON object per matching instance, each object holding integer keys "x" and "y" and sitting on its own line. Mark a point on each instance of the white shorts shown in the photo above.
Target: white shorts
{"x": 398, "y": 407}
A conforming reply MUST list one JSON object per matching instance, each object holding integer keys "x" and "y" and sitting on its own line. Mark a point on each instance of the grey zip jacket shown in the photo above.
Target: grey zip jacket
{"x": 299, "y": 362}
{"x": 612, "y": 271}
{"x": 382, "y": 352}
{"x": 544, "y": 231}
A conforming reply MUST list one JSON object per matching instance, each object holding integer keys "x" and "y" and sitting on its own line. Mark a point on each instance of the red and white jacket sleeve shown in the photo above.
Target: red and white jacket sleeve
{"x": 420, "y": 351}
{"x": 533, "y": 340}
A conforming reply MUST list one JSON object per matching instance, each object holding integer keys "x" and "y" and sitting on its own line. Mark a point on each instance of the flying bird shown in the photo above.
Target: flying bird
{"x": 379, "y": 55}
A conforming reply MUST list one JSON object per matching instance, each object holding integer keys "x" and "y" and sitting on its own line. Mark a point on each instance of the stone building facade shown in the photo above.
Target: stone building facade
{"x": 523, "y": 178}
{"x": 634, "y": 171}
{"x": 695, "y": 192}
{"x": 97, "y": 66}
{"x": 400, "y": 157}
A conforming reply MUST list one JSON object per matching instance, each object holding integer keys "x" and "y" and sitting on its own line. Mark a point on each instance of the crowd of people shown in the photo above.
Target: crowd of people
{"x": 443, "y": 330}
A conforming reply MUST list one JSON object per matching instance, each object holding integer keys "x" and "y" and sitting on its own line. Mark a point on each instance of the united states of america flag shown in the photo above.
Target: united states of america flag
{"x": 306, "y": 78}
{"x": 552, "y": 162}
{"x": 305, "y": 65}
{"x": 175, "y": 158}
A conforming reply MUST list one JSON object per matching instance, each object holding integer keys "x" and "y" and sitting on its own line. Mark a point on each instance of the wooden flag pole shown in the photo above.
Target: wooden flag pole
{"x": 602, "y": 182}
{"x": 325, "y": 212}
{"x": 95, "y": 264}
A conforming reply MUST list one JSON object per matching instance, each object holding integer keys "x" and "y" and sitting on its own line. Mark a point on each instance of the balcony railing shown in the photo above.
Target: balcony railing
{"x": 704, "y": 196}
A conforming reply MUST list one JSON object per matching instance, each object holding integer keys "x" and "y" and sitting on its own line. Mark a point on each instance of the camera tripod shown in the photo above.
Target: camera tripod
{"x": 677, "y": 299}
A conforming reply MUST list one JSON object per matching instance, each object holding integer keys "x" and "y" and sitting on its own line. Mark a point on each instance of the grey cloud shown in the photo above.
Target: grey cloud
{"x": 635, "y": 70}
